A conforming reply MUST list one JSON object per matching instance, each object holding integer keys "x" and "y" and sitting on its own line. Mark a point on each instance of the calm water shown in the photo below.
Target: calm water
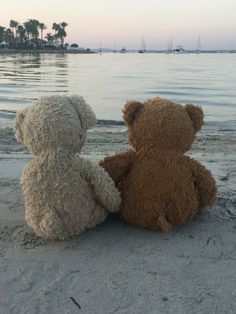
{"x": 107, "y": 81}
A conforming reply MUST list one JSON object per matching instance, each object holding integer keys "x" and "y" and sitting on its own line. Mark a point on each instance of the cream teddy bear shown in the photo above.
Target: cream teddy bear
{"x": 64, "y": 193}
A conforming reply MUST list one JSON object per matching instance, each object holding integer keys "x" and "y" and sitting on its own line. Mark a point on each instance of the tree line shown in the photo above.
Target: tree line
{"x": 31, "y": 34}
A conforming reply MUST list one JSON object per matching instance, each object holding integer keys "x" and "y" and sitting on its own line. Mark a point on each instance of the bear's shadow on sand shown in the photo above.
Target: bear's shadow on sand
{"x": 114, "y": 229}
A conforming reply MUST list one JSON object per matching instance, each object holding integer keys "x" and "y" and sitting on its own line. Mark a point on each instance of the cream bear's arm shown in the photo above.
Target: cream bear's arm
{"x": 205, "y": 183}
{"x": 103, "y": 186}
{"x": 118, "y": 165}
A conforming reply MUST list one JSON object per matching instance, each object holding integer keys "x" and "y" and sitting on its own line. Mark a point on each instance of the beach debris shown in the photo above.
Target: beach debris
{"x": 75, "y": 302}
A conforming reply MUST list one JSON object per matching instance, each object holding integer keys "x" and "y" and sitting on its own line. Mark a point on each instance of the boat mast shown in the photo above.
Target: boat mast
{"x": 100, "y": 47}
{"x": 171, "y": 44}
{"x": 143, "y": 44}
{"x": 199, "y": 48}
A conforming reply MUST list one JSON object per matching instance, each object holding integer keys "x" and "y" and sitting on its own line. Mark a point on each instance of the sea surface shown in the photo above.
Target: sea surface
{"x": 106, "y": 81}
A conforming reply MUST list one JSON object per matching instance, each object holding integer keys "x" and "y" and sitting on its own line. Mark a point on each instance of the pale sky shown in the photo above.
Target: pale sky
{"x": 124, "y": 21}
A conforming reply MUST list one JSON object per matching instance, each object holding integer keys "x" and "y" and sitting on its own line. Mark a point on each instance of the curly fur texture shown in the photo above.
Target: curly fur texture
{"x": 160, "y": 186}
{"x": 64, "y": 193}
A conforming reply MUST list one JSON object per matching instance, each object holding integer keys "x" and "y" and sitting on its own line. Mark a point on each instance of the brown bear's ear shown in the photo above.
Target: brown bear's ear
{"x": 131, "y": 110}
{"x": 196, "y": 115}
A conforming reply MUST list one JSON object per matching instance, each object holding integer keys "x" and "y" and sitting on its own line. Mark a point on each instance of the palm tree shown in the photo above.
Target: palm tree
{"x": 13, "y": 24}
{"x": 2, "y": 31}
{"x": 31, "y": 27}
{"x": 9, "y": 36}
{"x": 28, "y": 28}
{"x": 61, "y": 34}
{"x": 63, "y": 24}
{"x": 22, "y": 33}
{"x": 56, "y": 28}
{"x": 49, "y": 37}
{"x": 60, "y": 31}
{"x": 42, "y": 27}
{"x": 34, "y": 28}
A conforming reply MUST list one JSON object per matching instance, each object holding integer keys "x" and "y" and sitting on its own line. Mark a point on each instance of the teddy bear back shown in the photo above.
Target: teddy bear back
{"x": 58, "y": 189}
{"x": 59, "y": 201}
{"x": 54, "y": 124}
{"x": 160, "y": 188}
{"x": 162, "y": 184}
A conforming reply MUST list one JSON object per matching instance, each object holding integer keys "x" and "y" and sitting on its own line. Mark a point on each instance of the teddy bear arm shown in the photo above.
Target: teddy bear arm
{"x": 205, "y": 184}
{"x": 118, "y": 165}
{"x": 104, "y": 189}
{"x": 102, "y": 185}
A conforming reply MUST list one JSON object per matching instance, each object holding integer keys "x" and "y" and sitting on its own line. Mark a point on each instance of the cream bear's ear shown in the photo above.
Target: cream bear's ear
{"x": 196, "y": 115}
{"x": 84, "y": 111}
{"x": 20, "y": 116}
{"x": 131, "y": 110}
{"x": 90, "y": 117}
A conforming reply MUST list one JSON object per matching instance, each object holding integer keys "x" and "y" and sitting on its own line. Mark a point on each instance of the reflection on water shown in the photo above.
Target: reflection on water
{"x": 25, "y": 77}
{"x": 107, "y": 81}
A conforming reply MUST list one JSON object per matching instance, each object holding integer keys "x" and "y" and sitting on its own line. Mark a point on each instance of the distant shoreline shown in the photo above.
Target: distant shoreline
{"x": 67, "y": 51}
{"x": 10, "y": 114}
{"x": 52, "y": 51}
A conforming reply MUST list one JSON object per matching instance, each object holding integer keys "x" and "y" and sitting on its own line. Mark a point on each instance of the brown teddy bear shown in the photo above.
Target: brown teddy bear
{"x": 160, "y": 185}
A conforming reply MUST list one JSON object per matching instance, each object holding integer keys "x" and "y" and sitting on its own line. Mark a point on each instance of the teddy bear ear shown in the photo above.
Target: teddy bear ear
{"x": 196, "y": 115}
{"x": 131, "y": 110}
{"x": 90, "y": 117}
{"x": 20, "y": 116}
{"x": 85, "y": 113}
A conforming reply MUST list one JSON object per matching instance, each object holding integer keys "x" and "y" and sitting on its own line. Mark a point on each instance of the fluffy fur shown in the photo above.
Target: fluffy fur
{"x": 64, "y": 193}
{"x": 160, "y": 185}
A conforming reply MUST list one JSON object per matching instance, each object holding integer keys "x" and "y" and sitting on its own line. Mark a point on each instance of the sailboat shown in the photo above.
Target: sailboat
{"x": 143, "y": 46}
{"x": 115, "y": 50}
{"x": 100, "y": 47}
{"x": 179, "y": 49}
{"x": 231, "y": 50}
{"x": 123, "y": 50}
{"x": 169, "y": 46}
{"x": 198, "y": 50}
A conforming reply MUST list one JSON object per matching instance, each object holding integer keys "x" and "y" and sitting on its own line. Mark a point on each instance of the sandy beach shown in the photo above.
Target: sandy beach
{"x": 117, "y": 268}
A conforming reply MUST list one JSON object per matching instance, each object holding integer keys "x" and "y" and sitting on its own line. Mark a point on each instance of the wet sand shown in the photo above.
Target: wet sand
{"x": 117, "y": 268}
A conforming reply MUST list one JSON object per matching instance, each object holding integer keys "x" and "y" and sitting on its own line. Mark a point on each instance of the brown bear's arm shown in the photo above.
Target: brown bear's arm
{"x": 205, "y": 184}
{"x": 118, "y": 165}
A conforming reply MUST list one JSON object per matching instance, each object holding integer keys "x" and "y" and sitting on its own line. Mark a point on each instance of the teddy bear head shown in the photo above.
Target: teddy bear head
{"x": 162, "y": 125}
{"x": 54, "y": 124}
